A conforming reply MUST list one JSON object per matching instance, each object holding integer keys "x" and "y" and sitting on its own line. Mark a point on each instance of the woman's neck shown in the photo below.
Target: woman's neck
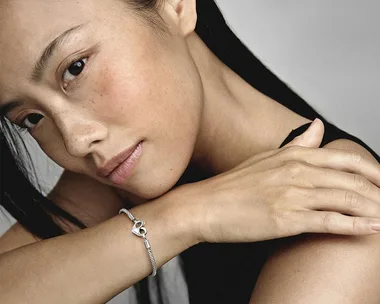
{"x": 238, "y": 121}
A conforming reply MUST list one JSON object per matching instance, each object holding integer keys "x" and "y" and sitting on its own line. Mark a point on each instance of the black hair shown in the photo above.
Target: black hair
{"x": 21, "y": 194}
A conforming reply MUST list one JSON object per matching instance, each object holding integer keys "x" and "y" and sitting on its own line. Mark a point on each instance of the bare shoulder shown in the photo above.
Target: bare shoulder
{"x": 346, "y": 144}
{"x": 86, "y": 198}
{"x": 273, "y": 122}
{"x": 323, "y": 268}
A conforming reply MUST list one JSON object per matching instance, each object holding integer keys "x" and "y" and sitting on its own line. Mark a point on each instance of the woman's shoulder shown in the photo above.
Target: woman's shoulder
{"x": 336, "y": 138}
{"x": 282, "y": 125}
{"x": 272, "y": 122}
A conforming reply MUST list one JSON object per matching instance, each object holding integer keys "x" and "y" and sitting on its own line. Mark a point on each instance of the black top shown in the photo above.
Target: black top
{"x": 227, "y": 273}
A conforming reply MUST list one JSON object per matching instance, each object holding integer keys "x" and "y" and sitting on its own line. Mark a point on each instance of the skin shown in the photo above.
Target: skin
{"x": 178, "y": 98}
{"x": 187, "y": 106}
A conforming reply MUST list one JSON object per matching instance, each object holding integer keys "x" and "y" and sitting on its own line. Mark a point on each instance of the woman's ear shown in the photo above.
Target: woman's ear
{"x": 184, "y": 13}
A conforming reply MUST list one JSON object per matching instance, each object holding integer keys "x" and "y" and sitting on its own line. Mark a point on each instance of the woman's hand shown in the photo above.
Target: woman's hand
{"x": 296, "y": 189}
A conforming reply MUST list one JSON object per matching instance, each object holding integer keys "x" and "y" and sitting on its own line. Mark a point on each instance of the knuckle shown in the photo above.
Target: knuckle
{"x": 292, "y": 151}
{"x": 294, "y": 167}
{"x": 352, "y": 200}
{"x": 286, "y": 192}
{"x": 361, "y": 183}
{"x": 282, "y": 222}
{"x": 278, "y": 203}
{"x": 288, "y": 195}
{"x": 328, "y": 221}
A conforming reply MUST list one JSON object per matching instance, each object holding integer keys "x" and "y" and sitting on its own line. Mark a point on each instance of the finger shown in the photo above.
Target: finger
{"x": 312, "y": 137}
{"x": 315, "y": 177}
{"x": 342, "y": 201}
{"x": 343, "y": 160}
{"x": 255, "y": 159}
{"x": 336, "y": 223}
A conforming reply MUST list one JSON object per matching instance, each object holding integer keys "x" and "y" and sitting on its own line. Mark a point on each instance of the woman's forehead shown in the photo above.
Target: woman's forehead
{"x": 27, "y": 20}
{"x": 31, "y": 10}
{"x": 35, "y": 22}
{"x": 27, "y": 27}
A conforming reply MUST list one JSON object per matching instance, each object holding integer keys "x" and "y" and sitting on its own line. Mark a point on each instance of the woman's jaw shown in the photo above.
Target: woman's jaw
{"x": 170, "y": 92}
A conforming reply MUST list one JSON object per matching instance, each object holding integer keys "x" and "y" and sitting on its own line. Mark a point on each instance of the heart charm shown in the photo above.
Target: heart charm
{"x": 139, "y": 229}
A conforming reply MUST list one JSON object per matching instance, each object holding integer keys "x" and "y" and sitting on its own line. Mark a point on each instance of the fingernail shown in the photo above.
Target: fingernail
{"x": 375, "y": 227}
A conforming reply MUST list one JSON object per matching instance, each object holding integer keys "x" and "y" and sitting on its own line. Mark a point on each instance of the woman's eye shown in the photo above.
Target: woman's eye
{"x": 74, "y": 70}
{"x": 31, "y": 120}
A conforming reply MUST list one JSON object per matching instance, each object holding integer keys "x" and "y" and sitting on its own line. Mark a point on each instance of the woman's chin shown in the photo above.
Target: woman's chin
{"x": 155, "y": 182}
{"x": 155, "y": 191}
{"x": 146, "y": 191}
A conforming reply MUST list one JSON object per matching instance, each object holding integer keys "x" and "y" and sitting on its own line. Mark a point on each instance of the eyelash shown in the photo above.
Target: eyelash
{"x": 22, "y": 129}
{"x": 85, "y": 59}
{"x": 67, "y": 66}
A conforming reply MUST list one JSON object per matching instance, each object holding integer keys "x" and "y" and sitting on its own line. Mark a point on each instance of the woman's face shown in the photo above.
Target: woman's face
{"x": 109, "y": 83}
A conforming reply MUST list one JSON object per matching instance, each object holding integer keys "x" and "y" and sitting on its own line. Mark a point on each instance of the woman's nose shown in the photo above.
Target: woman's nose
{"x": 81, "y": 136}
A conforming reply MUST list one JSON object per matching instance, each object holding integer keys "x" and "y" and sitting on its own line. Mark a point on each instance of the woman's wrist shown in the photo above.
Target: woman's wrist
{"x": 176, "y": 216}
{"x": 185, "y": 213}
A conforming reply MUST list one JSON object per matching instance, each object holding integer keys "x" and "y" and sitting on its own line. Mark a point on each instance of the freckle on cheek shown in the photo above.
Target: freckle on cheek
{"x": 111, "y": 91}
{"x": 104, "y": 85}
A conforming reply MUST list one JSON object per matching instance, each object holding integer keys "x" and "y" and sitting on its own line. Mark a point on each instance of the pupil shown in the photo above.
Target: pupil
{"x": 76, "y": 68}
{"x": 34, "y": 118}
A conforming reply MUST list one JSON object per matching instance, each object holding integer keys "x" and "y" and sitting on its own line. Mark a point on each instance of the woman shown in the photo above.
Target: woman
{"x": 133, "y": 76}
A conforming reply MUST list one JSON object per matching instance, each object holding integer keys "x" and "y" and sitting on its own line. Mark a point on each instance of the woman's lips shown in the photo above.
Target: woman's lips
{"x": 125, "y": 169}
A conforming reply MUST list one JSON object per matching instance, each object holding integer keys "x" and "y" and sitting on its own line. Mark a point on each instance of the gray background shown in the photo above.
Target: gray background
{"x": 327, "y": 51}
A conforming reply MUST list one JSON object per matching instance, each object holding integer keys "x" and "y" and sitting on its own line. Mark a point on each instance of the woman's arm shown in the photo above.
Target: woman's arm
{"x": 323, "y": 268}
{"x": 95, "y": 264}
{"x": 15, "y": 237}
{"x": 258, "y": 195}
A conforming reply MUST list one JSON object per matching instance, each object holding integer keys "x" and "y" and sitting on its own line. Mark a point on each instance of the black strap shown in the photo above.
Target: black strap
{"x": 331, "y": 133}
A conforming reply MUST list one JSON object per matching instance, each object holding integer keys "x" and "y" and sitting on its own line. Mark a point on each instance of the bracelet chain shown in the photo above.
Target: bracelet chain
{"x": 139, "y": 230}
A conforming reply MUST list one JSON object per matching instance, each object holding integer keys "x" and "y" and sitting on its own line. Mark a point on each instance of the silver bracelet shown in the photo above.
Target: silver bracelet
{"x": 139, "y": 230}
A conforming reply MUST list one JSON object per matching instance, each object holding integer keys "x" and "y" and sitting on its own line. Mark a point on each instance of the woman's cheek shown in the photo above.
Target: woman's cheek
{"x": 110, "y": 95}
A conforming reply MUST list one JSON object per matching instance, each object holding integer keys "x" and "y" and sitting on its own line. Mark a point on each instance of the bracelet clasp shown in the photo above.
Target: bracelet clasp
{"x": 138, "y": 228}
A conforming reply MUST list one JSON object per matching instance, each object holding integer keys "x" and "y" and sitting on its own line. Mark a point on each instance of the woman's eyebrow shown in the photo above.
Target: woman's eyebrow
{"x": 47, "y": 54}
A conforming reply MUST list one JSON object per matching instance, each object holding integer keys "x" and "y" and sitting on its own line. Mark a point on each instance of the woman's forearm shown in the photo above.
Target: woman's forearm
{"x": 95, "y": 264}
